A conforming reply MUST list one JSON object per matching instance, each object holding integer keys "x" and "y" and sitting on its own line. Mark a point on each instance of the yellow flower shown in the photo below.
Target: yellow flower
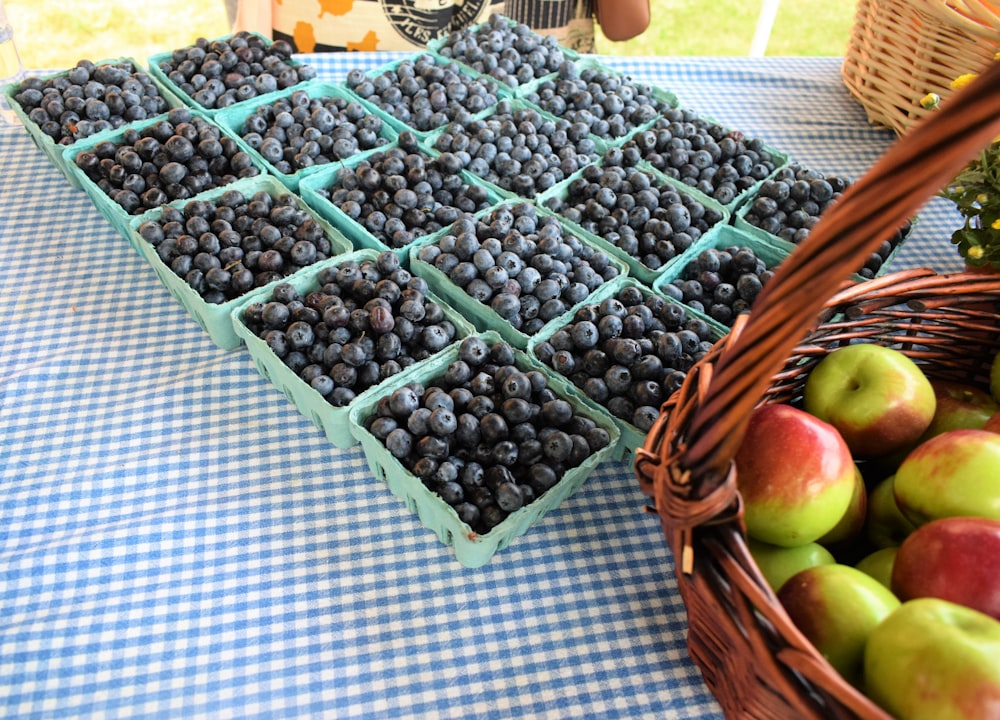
{"x": 962, "y": 80}
{"x": 975, "y": 252}
{"x": 930, "y": 101}
{"x": 996, "y": 224}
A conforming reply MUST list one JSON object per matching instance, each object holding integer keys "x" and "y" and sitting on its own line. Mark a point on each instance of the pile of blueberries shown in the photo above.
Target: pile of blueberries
{"x": 302, "y": 130}
{"x": 518, "y": 149}
{"x": 641, "y": 214}
{"x": 89, "y": 98}
{"x": 402, "y": 193}
{"x": 719, "y": 162}
{"x": 720, "y": 282}
{"x": 789, "y": 204}
{"x": 609, "y": 103}
{"x": 366, "y": 320}
{"x": 520, "y": 263}
{"x": 173, "y": 158}
{"x": 628, "y": 352}
{"x": 219, "y": 73}
{"x": 424, "y": 95}
{"x": 488, "y": 436}
{"x": 509, "y": 52}
{"x": 226, "y": 247}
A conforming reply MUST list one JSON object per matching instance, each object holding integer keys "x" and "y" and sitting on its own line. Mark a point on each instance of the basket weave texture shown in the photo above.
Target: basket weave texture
{"x": 752, "y": 657}
{"x": 900, "y": 50}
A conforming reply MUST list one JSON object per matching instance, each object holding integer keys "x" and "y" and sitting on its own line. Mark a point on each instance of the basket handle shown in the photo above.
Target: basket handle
{"x": 910, "y": 172}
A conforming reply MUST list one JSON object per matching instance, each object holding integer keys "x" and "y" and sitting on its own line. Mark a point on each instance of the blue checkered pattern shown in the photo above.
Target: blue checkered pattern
{"x": 177, "y": 541}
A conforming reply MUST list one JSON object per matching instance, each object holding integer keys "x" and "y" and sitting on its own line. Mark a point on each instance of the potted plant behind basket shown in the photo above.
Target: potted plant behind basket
{"x": 976, "y": 193}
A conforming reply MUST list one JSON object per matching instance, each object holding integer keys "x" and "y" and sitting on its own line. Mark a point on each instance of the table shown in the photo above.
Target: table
{"x": 177, "y": 541}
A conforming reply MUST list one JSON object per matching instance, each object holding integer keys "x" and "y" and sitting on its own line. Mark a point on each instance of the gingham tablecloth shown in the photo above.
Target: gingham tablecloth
{"x": 177, "y": 541}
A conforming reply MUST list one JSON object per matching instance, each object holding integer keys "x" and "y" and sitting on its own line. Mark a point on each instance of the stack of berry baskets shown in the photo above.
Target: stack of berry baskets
{"x": 213, "y": 274}
{"x": 302, "y": 130}
{"x": 788, "y": 204}
{"x": 122, "y": 93}
{"x": 195, "y": 72}
{"x": 393, "y": 197}
{"x": 481, "y": 47}
{"x": 610, "y": 103}
{"x": 479, "y": 496}
{"x": 121, "y": 191}
{"x": 625, "y": 350}
{"x": 424, "y": 92}
{"x": 637, "y": 213}
{"x": 513, "y": 269}
{"x": 363, "y": 294}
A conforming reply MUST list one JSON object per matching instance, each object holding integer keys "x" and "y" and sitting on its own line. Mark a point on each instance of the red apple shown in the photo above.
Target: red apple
{"x": 954, "y": 473}
{"x": 993, "y": 424}
{"x": 795, "y": 474}
{"x": 954, "y": 558}
{"x": 877, "y": 397}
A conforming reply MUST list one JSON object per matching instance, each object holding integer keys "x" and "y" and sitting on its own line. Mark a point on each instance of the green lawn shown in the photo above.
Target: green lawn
{"x": 56, "y": 35}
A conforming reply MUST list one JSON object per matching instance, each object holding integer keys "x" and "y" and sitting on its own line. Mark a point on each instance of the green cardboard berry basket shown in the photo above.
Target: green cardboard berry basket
{"x": 515, "y": 105}
{"x": 631, "y": 436}
{"x": 312, "y": 187}
{"x": 437, "y": 45}
{"x": 332, "y": 420}
{"x": 482, "y": 316}
{"x": 500, "y": 90}
{"x": 739, "y": 221}
{"x": 234, "y": 118}
{"x": 637, "y": 268}
{"x": 779, "y": 158}
{"x": 772, "y": 253}
{"x": 157, "y": 72}
{"x": 470, "y": 548}
{"x": 663, "y": 97}
{"x": 54, "y": 151}
{"x": 216, "y": 319}
{"x": 114, "y": 213}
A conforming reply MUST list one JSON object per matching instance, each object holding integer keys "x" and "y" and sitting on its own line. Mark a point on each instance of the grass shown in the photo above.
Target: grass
{"x": 56, "y": 35}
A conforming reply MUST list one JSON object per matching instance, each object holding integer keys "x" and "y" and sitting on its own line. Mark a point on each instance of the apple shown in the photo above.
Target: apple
{"x": 877, "y": 397}
{"x": 836, "y": 607}
{"x": 879, "y": 564}
{"x": 954, "y": 473}
{"x": 953, "y": 558}
{"x": 777, "y": 563}
{"x": 795, "y": 475}
{"x": 993, "y": 424}
{"x": 852, "y": 522}
{"x": 886, "y": 525}
{"x": 959, "y": 406}
{"x": 932, "y": 659}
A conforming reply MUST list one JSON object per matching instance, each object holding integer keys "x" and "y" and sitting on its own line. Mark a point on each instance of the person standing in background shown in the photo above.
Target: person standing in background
{"x": 368, "y": 25}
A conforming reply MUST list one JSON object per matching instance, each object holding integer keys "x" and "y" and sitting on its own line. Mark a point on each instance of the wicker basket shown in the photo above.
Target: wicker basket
{"x": 752, "y": 657}
{"x": 900, "y": 50}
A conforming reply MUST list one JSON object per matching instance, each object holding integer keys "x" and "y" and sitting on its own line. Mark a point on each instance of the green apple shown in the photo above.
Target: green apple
{"x": 877, "y": 397}
{"x": 886, "y": 525}
{"x": 959, "y": 406}
{"x": 836, "y": 607}
{"x": 777, "y": 563}
{"x": 795, "y": 475}
{"x": 954, "y": 473}
{"x": 878, "y": 564}
{"x": 932, "y": 659}
{"x": 852, "y": 522}
{"x": 953, "y": 558}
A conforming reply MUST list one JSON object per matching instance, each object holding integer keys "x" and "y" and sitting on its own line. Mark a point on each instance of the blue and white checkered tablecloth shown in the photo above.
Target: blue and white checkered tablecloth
{"x": 177, "y": 541}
